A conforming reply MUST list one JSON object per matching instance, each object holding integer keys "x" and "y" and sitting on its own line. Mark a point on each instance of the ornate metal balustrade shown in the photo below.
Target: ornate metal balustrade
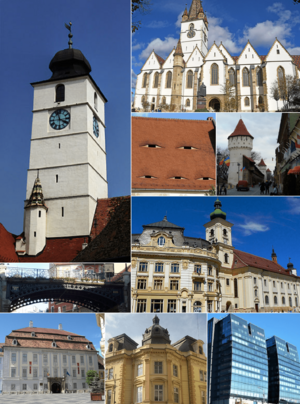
{"x": 54, "y": 273}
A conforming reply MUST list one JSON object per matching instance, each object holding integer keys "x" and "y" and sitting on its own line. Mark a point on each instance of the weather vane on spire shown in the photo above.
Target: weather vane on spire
{"x": 69, "y": 27}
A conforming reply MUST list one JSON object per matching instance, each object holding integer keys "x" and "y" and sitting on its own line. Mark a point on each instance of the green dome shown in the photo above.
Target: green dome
{"x": 218, "y": 213}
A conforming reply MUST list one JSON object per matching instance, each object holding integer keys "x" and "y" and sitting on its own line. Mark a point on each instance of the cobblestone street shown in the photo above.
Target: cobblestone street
{"x": 46, "y": 398}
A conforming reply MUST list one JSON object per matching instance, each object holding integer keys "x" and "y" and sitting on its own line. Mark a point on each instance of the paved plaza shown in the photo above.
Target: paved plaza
{"x": 252, "y": 191}
{"x": 83, "y": 398}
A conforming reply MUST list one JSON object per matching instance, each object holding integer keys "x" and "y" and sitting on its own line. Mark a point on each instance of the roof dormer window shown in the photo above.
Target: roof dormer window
{"x": 153, "y": 146}
{"x": 15, "y": 342}
{"x": 54, "y": 344}
{"x": 178, "y": 178}
{"x": 161, "y": 241}
{"x": 69, "y": 338}
{"x": 33, "y": 334}
{"x": 148, "y": 176}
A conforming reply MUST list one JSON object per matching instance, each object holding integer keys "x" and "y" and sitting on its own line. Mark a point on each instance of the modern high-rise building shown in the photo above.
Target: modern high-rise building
{"x": 237, "y": 362}
{"x": 284, "y": 371}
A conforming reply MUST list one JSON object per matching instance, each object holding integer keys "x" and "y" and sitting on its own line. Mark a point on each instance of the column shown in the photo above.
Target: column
{"x": 147, "y": 380}
{"x": 151, "y": 271}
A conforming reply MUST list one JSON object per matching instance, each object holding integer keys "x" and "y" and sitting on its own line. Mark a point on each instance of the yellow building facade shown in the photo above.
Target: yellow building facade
{"x": 158, "y": 371}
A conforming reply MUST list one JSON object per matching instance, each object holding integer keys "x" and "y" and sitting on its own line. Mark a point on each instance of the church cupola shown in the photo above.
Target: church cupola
{"x": 291, "y": 269}
{"x": 274, "y": 256}
{"x": 218, "y": 213}
{"x": 156, "y": 334}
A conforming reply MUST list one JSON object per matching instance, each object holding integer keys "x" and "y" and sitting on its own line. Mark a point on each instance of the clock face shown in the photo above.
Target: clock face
{"x": 59, "y": 119}
{"x": 191, "y": 33}
{"x": 95, "y": 127}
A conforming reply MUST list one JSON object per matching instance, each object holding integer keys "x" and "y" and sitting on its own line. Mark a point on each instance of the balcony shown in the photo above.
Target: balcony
{"x": 196, "y": 274}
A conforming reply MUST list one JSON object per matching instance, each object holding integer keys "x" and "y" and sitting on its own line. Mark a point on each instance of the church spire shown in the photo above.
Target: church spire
{"x": 36, "y": 197}
{"x": 195, "y": 8}
{"x": 178, "y": 50}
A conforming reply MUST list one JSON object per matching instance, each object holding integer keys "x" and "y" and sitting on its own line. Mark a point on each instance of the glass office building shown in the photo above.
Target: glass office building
{"x": 284, "y": 371}
{"x": 237, "y": 361}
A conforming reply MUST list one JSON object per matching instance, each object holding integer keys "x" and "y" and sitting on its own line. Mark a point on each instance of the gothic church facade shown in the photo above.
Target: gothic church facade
{"x": 175, "y": 81}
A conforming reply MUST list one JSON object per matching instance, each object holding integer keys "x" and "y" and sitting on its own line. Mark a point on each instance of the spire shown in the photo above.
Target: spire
{"x": 69, "y": 27}
{"x": 195, "y": 8}
{"x": 274, "y": 256}
{"x": 262, "y": 163}
{"x": 36, "y": 197}
{"x": 178, "y": 50}
{"x": 240, "y": 130}
{"x": 218, "y": 213}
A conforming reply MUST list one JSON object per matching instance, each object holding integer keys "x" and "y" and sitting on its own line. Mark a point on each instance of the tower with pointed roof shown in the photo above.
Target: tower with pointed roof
{"x": 240, "y": 143}
{"x": 68, "y": 149}
{"x": 263, "y": 168}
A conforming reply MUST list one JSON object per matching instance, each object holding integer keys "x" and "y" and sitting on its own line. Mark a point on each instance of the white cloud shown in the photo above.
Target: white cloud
{"x": 179, "y": 18}
{"x": 221, "y": 34}
{"x": 137, "y": 46}
{"x": 252, "y": 227}
{"x": 161, "y": 47}
{"x": 133, "y": 79}
{"x": 158, "y": 24}
{"x": 294, "y": 51}
{"x": 294, "y": 206}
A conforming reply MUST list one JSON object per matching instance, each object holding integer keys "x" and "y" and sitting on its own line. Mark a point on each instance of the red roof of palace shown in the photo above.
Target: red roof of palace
{"x": 170, "y": 160}
{"x": 240, "y": 130}
{"x": 242, "y": 259}
{"x": 7, "y": 248}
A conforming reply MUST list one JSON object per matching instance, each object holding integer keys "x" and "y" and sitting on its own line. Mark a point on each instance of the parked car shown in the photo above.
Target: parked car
{"x": 242, "y": 186}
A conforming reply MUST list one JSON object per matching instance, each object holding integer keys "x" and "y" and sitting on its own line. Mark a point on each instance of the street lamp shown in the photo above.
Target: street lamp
{"x": 238, "y": 164}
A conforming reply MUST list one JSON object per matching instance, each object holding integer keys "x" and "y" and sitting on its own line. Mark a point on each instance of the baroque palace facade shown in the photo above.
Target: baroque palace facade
{"x": 174, "y": 273}
{"x": 176, "y": 80}
{"x": 156, "y": 371}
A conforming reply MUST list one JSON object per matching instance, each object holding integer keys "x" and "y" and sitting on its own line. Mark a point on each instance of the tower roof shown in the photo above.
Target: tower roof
{"x": 218, "y": 213}
{"x": 69, "y": 63}
{"x": 194, "y": 9}
{"x": 262, "y": 163}
{"x": 164, "y": 224}
{"x": 36, "y": 197}
{"x": 156, "y": 334}
{"x": 240, "y": 130}
{"x": 178, "y": 50}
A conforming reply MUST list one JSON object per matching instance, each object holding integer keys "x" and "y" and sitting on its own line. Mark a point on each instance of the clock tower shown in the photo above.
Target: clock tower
{"x": 67, "y": 153}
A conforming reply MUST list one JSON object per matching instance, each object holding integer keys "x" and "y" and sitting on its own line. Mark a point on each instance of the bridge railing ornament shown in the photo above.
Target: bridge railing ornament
{"x": 53, "y": 273}
{"x": 14, "y": 272}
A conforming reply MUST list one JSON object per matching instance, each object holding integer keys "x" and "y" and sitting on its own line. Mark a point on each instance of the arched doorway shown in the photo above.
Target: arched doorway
{"x": 215, "y": 104}
{"x": 56, "y": 388}
{"x": 228, "y": 306}
{"x": 197, "y": 307}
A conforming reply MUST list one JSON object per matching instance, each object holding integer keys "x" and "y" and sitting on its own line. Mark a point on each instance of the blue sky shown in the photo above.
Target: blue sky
{"x": 285, "y": 326}
{"x": 134, "y": 326}
{"x": 31, "y": 32}
{"x": 229, "y": 21}
{"x": 201, "y": 116}
{"x": 259, "y": 223}
{"x": 82, "y": 324}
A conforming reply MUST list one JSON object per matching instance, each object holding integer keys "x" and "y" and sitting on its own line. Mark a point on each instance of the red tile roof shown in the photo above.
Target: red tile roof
{"x": 169, "y": 160}
{"x": 119, "y": 275}
{"x": 160, "y": 59}
{"x": 240, "y": 130}
{"x": 268, "y": 170}
{"x": 248, "y": 158}
{"x": 296, "y": 60}
{"x": 262, "y": 163}
{"x": 7, "y": 246}
{"x": 242, "y": 259}
{"x": 45, "y": 331}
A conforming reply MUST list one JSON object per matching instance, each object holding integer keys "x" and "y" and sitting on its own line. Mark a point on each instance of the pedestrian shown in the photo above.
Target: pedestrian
{"x": 262, "y": 188}
{"x": 267, "y": 185}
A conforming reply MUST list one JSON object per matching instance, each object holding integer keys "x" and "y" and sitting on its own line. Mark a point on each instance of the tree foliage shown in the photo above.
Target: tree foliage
{"x": 141, "y": 7}
{"x": 90, "y": 374}
{"x": 287, "y": 89}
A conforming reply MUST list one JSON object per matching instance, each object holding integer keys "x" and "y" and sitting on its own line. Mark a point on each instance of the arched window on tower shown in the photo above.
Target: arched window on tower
{"x": 235, "y": 288}
{"x": 95, "y": 101}
{"x": 214, "y": 74}
{"x": 266, "y": 299}
{"x": 144, "y": 80}
{"x": 169, "y": 80}
{"x": 155, "y": 84}
{"x": 283, "y": 301}
{"x": 60, "y": 93}
{"x": 259, "y": 76}
{"x": 189, "y": 79}
{"x": 226, "y": 258}
{"x": 280, "y": 73}
{"x": 275, "y": 300}
{"x": 247, "y": 102}
{"x": 246, "y": 78}
{"x": 188, "y": 103}
{"x": 212, "y": 233}
{"x": 231, "y": 77}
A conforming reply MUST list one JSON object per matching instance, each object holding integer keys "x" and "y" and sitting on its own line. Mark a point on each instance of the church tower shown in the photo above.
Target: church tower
{"x": 177, "y": 77}
{"x": 240, "y": 143}
{"x": 194, "y": 30}
{"x": 67, "y": 149}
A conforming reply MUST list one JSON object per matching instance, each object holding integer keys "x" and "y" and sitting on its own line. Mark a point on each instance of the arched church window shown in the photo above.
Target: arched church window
{"x": 246, "y": 78}
{"x": 259, "y": 77}
{"x": 235, "y": 282}
{"x": 231, "y": 77}
{"x": 226, "y": 258}
{"x": 60, "y": 93}
{"x": 224, "y": 232}
{"x": 190, "y": 79}
{"x": 260, "y": 100}
{"x": 144, "y": 80}
{"x": 153, "y": 99}
{"x": 169, "y": 79}
{"x": 290, "y": 301}
{"x": 95, "y": 101}
{"x": 275, "y": 300}
{"x": 214, "y": 74}
{"x": 280, "y": 73}
{"x": 267, "y": 300}
{"x": 212, "y": 233}
{"x": 188, "y": 102}
{"x": 155, "y": 80}
{"x": 283, "y": 300}
{"x": 247, "y": 102}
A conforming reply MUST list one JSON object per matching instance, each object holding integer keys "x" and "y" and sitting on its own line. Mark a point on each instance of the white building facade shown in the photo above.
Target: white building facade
{"x": 251, "y": 75}
{"x": 1, "y": 367}
{"x": 67, "y": 167}
{"x": 46, "y": 361}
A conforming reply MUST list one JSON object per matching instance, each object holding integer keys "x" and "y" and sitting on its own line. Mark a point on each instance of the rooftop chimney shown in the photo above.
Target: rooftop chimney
{"x": 30, "y": 324}
{"x": 60, "y": 326}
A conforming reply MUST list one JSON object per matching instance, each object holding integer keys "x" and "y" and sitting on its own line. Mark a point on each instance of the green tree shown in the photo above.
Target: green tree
{"x": 141, "y": 7}
{"x": 90, "y": 374}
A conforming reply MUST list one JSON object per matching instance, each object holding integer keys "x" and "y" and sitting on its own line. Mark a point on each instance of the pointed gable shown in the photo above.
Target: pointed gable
{"x": 226, "y": 54}
{"x": 249, "y": 56}
{"x": 153, "y": 62}
{"x": 197, "y": 56}
{"x": 278, "y": 53}
{"x": 168, "y": 63}
{"x": 214, "y": 54}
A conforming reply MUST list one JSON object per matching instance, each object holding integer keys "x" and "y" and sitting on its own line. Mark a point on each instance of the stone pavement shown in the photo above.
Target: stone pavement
{"x": 252, "y": 191}
{"x": 83, "y": 398}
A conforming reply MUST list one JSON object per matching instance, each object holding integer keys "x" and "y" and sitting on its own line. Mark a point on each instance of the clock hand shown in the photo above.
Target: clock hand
{"x": 64, "y": 121}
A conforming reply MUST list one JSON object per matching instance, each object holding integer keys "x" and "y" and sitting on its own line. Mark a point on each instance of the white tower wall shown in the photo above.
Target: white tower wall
{"x": 238, "y": 146}
{"x": 188, "y": 44}
{"x": 35, "y": 229}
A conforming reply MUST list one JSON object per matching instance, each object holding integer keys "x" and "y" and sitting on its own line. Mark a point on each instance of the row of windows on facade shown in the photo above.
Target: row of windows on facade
{"x": 283, "y": 301}
{"x": 60, "y": 95}
{"x": 45, "y": 358}
{"x": 159, "y": 267}
{"x": 157, "y": 306}
{"x": 46, "y": 373}
{"x": 274, "y": 284}
{"x": 174, "y": 285}
{"x": 158, "y": 394}
{"x": 189, "y": 80}
{"x": 35, "y": 386}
